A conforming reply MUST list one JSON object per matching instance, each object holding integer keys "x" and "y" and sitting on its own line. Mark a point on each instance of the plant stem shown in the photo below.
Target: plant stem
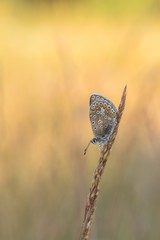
{"x": 94, "y": 188}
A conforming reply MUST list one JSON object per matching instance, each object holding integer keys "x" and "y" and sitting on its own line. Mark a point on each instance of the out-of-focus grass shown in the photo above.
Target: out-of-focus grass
{"x": 50, "y": 62}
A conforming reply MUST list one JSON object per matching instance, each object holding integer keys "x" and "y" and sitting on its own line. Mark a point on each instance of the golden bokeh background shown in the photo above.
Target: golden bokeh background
{"x": 53, "y": 55}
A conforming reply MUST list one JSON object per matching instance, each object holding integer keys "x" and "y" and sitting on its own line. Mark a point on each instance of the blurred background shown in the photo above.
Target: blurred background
{"x": 53, "y": 55}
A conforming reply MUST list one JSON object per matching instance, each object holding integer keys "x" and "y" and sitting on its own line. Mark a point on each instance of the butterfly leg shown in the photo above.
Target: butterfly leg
{"x": 93, "y": 141}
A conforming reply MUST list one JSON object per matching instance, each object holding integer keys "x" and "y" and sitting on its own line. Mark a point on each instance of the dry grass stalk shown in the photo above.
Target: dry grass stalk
{"x": 94, "y": 188}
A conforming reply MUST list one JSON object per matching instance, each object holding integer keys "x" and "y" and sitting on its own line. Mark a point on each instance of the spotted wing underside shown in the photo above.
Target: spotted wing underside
{"x": 102, "y": 115}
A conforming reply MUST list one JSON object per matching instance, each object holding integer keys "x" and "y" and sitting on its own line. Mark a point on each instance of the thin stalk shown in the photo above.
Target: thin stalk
{"x": 94, "y": 188}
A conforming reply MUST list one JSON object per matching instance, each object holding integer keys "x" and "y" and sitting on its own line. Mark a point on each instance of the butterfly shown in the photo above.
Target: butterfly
{"x": 103, "y": 118}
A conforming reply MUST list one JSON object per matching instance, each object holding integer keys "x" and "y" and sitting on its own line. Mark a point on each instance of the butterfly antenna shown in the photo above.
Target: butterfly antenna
{"x": 85, "y": 150}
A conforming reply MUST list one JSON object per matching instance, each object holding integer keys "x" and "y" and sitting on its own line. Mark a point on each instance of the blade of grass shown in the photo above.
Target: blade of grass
{"x": 94, "y": 188}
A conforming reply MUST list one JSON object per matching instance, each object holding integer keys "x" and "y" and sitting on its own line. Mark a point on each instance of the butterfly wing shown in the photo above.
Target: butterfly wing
{"x": 102, "y": 115}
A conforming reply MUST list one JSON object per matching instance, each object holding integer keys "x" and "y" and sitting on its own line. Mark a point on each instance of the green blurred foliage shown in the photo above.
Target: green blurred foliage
{"x": 51, "y": 59}
{"x": 110, "y": 7}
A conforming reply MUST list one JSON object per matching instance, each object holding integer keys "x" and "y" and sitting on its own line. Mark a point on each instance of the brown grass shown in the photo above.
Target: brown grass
{"x": 94, "y": 188}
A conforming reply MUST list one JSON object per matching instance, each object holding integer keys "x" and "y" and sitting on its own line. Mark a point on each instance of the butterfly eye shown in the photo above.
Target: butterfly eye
{"x": 97, "y": 112}
{"x": 94, "y": 140}
{"x": 93, "y": 122}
